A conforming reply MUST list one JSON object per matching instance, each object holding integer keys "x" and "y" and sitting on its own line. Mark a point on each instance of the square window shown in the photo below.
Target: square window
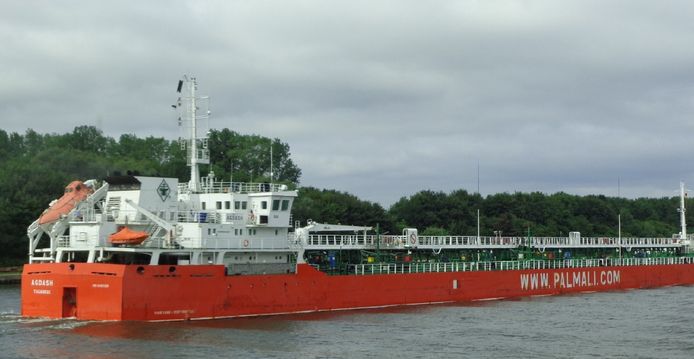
{"x": 237, "y": 205}
{"x": 227, "y": 204}
{"x": 263, "y": 204}
{"x": 219, "y": 204}
{"x": 244, "y": 205}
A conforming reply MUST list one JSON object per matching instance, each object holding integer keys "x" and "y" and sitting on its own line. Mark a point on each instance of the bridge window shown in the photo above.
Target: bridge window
{"x": 203, "y": 205}
{"x": 285, "y": 204}
{"x": 263, "y": 204}
{"x": 276, "y": 205}
{"x": 219, "y": 204}
{"x": 237, "y": 205}
{"x": 244, "y": 204}
{"x": 227, "y": 204}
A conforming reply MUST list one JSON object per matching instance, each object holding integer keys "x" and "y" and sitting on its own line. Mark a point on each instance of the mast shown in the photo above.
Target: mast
{"x": 683, "y": 221}
{"x": 189, "y": 106}
{"x": 193, "y": 184}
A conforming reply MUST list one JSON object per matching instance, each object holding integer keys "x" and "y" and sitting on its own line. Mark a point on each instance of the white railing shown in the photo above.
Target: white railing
{"x": 234, "y": 187}
{"x": 440, "y": 267}
{"x": 340, "y": 240}
{"x": 202, "y": 216}
{"x": 604, "y": 242}
{"x": 64, "y": 241}
{"x": 436, "y": 242}
{"x": 454, "y": 241}
{"x": 77, "y": 241}
{"x": 401, "y": 241}
{"x": 86, "y": 215}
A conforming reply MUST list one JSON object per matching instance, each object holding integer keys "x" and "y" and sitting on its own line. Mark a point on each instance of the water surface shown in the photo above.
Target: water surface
{"x": 655, "y": 323}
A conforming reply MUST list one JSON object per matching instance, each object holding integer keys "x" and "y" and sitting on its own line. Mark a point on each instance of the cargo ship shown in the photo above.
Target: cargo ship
{"x": 156, "y": 249}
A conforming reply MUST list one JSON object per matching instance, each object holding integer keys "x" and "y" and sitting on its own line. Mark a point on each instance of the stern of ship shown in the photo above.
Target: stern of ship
{"x": 86, "y": 291}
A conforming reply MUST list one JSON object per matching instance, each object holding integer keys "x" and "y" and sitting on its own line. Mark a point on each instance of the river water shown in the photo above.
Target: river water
{"x": 654, "y": 323}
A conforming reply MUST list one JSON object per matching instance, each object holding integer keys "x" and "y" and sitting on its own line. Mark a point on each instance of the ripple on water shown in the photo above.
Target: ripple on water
{"x": 628, "y": 324}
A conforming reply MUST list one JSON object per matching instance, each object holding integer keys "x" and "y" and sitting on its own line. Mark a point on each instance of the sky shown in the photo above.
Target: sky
{"x": 381, "y": 99}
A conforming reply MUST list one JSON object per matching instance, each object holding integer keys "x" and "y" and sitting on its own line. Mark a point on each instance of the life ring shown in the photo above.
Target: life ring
{"x": 245, "y": 242}
{"x": 413, "y": 238}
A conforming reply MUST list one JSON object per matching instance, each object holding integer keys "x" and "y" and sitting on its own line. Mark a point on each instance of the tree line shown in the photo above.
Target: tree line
{"x": 34, "y": 169}
{"x": 509, "y": 214}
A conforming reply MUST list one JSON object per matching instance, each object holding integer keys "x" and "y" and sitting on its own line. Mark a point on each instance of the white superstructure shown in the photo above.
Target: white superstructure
{"x": 242, "y": 225}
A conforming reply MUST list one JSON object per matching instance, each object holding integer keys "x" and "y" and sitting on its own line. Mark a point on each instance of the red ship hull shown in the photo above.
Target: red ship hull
{"x": 92, "y": 291}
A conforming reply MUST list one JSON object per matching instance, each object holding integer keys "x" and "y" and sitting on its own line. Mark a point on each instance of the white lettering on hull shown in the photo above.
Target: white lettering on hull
{"x": 42, "y": 282}
{"x": 568, "y": 280}
{"x": 534, "y": 281}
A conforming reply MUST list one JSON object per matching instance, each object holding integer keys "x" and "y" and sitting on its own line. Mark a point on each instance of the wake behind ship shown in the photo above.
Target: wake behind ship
{"x": 151, "y": 248}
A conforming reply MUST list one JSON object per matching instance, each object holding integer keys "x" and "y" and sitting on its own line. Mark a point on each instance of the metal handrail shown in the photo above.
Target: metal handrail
{"x": 235, "y": 187}
{"x": 389, "y": 241}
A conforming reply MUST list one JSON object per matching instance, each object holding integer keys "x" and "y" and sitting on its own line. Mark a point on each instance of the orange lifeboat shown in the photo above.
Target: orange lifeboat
{"x": 128, "y": 236}
{"x": 75, "y": 193}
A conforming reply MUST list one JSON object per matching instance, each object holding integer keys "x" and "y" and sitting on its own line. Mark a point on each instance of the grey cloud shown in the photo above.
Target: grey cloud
{"x": 383, "y": 98}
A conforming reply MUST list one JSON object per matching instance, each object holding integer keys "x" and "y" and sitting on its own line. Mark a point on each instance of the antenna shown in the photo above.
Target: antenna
{"x": 683, "y": 210}
{"x": 478, "y": 210}
{"x": 271, "y": 167}
{"x": 478, "y": 176}
{"x": 619, "y": 217}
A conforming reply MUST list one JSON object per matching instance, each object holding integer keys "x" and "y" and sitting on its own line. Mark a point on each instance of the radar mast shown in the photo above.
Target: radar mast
{"x": 193, "y": 111}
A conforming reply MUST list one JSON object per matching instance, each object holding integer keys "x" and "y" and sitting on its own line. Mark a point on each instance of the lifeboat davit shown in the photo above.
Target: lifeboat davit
{"x": 128, "y": 236}
{"x": 75, "y": 193}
